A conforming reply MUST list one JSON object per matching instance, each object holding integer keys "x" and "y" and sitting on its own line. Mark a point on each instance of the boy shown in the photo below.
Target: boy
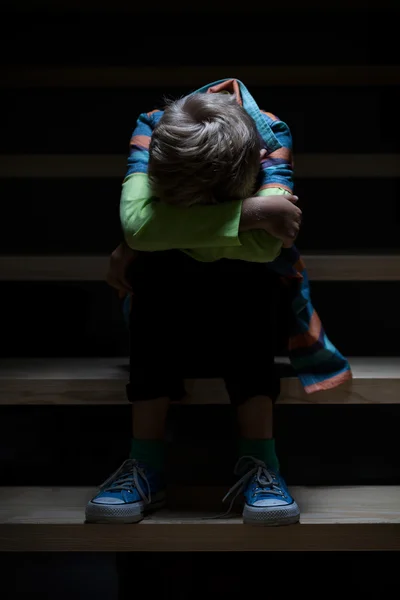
{"x": 205, "y": 302}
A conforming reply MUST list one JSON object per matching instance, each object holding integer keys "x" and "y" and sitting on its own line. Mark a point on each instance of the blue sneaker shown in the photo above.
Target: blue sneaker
{"x": 127, "y": 495}
{"x": 267, "y": 499}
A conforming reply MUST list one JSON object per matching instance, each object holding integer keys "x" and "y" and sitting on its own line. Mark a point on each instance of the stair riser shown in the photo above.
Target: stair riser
{"x": 318, "y": 36}
{"x": 85, "y": 319}
{"x": 80, "y": 121}
{"x": 320, "y": 445}
{"x": 332, "y": 211}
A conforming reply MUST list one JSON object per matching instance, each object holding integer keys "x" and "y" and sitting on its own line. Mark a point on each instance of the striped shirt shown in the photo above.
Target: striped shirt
{"x": 209, "y": 233}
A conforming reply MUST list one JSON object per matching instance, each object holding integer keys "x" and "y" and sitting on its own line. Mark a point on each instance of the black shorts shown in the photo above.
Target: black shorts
{"x": 202, "y": 320}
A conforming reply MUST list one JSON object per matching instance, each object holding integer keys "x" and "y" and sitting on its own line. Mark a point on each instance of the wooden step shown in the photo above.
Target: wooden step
{"x": 333, "y": 518}
{"x": 321, "y": 267}
{"x": 314, "y": 166}
{"x": 94, "y": 381}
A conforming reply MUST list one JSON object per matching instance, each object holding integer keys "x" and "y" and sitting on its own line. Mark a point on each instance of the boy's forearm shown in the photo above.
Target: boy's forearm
{"x": 254, "y": 210}
{"x": 149, "y": 225}
{"x": 252, "y": 215}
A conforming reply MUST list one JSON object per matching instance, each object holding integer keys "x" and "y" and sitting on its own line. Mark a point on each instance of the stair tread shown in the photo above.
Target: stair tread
{"x": 314, "y": 165}
{"x": 116, "y": 368}
{"x": 321, "y": 267}
{"x": 102, "y": 381}
{"x": 333, "y": 518}
{"x": 319, "y": 505}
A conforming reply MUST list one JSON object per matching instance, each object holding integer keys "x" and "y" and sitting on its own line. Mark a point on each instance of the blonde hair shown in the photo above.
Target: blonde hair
{"x": 205, "y": 149}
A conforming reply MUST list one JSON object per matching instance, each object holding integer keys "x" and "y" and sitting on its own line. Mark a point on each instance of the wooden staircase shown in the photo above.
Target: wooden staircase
{"x": 332, "y": 519}
{"x": 64, "y": 419}
{"x": 94, "y": 381}
{"x": 52, "y": 518}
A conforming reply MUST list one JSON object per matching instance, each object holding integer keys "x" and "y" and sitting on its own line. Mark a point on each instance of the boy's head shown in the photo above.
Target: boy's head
{"x": 204, "y": 149}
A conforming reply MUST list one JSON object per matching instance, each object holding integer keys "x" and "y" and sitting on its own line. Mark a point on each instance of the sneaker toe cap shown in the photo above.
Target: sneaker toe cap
{"x": 107, "y": 500}
{"x": 270, "y": 502}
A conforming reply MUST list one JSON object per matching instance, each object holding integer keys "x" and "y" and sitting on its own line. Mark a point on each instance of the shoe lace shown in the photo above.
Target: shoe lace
{"x": 252, "y": 467}
{"x": 126, "y": 478}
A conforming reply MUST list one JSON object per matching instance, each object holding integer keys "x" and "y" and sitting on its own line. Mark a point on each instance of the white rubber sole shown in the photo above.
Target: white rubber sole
{"x": 273, "y": 516}
{"x": 122, "y": 513}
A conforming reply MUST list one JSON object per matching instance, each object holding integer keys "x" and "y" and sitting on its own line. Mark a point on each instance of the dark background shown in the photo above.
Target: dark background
{"x": 81, "y": 445}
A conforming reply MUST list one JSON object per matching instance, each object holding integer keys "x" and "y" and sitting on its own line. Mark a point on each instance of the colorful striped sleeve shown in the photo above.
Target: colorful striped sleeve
{"x": 140, "y": 141}
{"x": 277, "y": 167}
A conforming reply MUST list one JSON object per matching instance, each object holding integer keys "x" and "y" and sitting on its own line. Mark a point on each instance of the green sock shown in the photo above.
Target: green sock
{"x": 261, "y": 449}
{"x": 150, "y": 452}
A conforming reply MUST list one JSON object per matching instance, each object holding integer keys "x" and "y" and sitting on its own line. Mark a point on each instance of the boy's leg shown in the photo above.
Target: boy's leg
{"x": 138, "y": 485}
{"x": 253, "y": 394}
{"x": 255, "y": 423}
{"x": 267, "y": 499}
{"x": 253, "y": 385}
{"x": 148, "y": 432}
{"x": 255, "y": 418}
{"x": 148, "y": 418}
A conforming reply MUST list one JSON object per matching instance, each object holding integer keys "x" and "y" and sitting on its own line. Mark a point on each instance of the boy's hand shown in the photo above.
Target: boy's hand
{"x": 118, "y": 265}
{"x": 278, "y": 215}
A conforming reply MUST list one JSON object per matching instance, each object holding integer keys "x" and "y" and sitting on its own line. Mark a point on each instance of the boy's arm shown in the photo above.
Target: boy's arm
{"x": 256, "y": 245}
{"x": 210, "y": 232}
{"x": 276, "y": 178}
{"x": 151, "y": 225}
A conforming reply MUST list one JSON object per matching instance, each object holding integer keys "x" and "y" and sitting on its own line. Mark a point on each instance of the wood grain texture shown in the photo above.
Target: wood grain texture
{"x": 356, "y": 267}
{"x": 322, "y": 267}
{"x": 54, "y": 268}
{"x": 337, "y": 518}
{"x": 316, "y": 166}
{"x": 188, "y": 76}
{"x": 102, "y": 381}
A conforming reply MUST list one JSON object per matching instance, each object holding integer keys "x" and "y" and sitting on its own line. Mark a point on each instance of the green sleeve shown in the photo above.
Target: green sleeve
{"x": 207, "y": 233}
{"x": 255, "y": 246}
{"x": 151, "y": 225}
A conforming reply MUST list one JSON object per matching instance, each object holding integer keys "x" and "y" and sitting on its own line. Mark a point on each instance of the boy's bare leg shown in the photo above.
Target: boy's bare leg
{"x": 255, "y": 421}
{"x": 267, "y": 499}
{"x": 148, "y": 431}
{"x": 148, "y": 419}
{"x": 255, "y": 418}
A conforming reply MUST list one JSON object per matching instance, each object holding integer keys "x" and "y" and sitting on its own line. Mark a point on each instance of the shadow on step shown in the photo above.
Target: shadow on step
{"x": 179, "y": 576}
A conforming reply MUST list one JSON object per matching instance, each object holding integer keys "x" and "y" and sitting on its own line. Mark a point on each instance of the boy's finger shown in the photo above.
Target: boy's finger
{"x": 118, "y": 285}
{"x": 112, "y": 281}
{"x": 124, "y": 293}
{"x": 291, "y": 198}
{"x": 126, "y": 285}
{"x": 123, "y": 286}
